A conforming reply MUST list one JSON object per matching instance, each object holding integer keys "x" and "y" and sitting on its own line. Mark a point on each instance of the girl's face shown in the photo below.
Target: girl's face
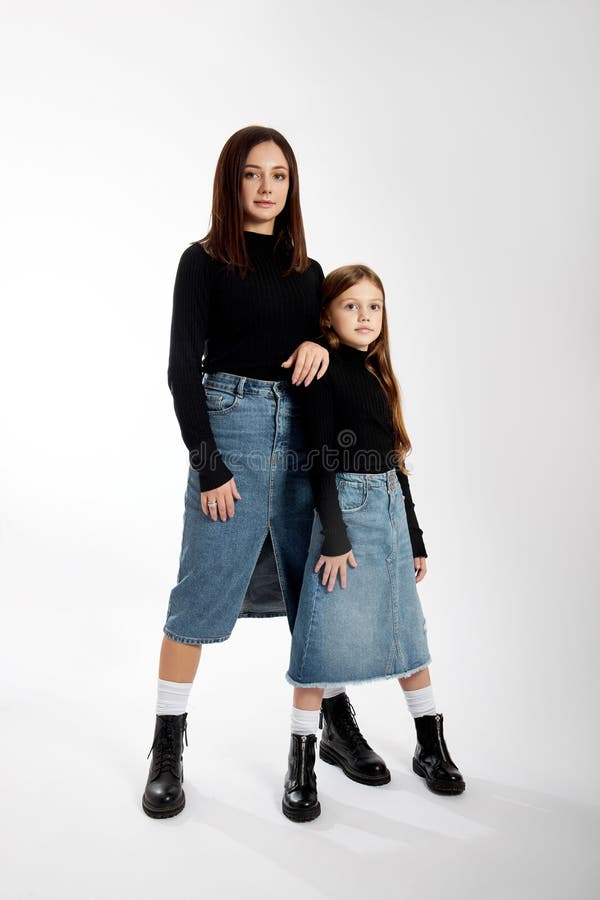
{"x": 357, "y": 315}
{"x": 265, "y": 185}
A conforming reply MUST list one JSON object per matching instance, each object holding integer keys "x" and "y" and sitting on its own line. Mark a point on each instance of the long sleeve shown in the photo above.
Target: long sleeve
{"x": 415, "y": 533}
{"x": 189, "y": 327}
{"x": 318, "y": 415}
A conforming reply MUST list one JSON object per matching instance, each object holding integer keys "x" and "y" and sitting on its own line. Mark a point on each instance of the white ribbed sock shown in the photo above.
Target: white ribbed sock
{"x": 172, "y": 697}
{"x": 304, "y": 721}
{"x": 420, "y": 702}
{"x": 330, "y": 692}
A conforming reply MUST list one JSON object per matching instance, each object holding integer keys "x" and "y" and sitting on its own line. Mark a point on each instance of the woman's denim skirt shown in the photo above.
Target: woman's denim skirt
{"x": 373, "y": 628}
{"x": 252, "y": 564}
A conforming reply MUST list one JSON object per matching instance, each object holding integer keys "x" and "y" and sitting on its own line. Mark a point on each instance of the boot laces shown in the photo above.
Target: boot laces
{"x": 353, "y": 732}
{"x": 165, "y": 745}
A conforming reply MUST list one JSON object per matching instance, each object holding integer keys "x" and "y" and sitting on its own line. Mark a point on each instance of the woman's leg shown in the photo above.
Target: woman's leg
{"x": 178, "y": 662}
{"x": 164, "y": 795}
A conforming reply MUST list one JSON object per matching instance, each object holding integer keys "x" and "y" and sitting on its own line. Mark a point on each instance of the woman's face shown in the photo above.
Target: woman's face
{"x": 265, "y": 184}
{"x": 357, "y": 315}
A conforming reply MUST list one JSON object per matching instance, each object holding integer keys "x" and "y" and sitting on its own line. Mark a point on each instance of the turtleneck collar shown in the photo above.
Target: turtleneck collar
{"x": 257, "y": 242}
{"x": 352, "y": 354}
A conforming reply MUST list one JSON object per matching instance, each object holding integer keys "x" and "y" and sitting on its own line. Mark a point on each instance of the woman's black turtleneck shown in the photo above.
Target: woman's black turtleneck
{"x": 243, "y": 325}
{"x": 348, "y": 428}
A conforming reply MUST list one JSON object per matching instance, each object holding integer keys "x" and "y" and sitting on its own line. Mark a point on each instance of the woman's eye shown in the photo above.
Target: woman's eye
{"x": 249, "y": 174}
{"x": 280, "y": 176}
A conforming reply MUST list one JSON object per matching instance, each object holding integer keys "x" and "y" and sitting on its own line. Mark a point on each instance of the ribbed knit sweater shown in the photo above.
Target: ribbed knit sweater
{"x": 348, "y": 428}
{"x": 243, "y": 325}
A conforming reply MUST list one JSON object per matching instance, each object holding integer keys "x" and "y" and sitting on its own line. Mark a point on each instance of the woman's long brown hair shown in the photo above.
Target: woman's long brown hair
{"x": 225, "y": 238}
{"x": 377, "y": 358}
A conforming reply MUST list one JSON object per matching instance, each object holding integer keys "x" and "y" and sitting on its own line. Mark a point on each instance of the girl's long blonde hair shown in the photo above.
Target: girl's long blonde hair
{"x": 377, "y": 357}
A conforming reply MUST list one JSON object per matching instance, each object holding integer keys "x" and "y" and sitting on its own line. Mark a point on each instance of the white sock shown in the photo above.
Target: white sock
{"x": 330, "y": 692}
{"x": 304, "y": 721}
{"x": 172, "y": 697}
{"x": 420, "y": 702}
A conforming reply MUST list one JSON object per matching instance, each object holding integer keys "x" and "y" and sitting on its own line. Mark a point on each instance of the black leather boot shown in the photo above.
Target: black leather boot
{"x": 432, "y": 760}
{"x": 300, "y": 802}
{"x": 343, "y": 745}
{"x": 164, "y": 795}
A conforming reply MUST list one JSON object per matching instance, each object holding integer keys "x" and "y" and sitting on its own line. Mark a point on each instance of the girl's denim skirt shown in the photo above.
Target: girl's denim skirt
{"x": 252, "y": 564}
{"x": 374, "y": 627}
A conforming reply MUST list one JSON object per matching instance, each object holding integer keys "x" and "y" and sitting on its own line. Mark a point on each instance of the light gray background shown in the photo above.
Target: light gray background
{"x": 453, "y": 147}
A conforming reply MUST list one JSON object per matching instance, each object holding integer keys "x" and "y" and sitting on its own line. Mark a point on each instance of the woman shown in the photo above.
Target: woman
{"x": 245, "y": 317}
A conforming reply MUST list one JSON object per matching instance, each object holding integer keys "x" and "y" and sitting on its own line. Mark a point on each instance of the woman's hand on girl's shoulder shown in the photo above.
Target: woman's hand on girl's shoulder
{"x": 420, "y": 568}
{"x": 333, "y": 566}
{"x": 311, "y": 359}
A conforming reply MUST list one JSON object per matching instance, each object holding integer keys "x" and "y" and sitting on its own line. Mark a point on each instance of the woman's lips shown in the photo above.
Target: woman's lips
{"x": 364, "y": 329}
{"x": 264, "y": 203}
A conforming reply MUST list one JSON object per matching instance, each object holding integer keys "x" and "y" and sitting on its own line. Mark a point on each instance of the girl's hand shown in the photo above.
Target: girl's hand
{"x": 310, "y": 359}
{"x": 420, "y": 568}
{"x": 333, "y": 565}
{"x": 224, "y": 495}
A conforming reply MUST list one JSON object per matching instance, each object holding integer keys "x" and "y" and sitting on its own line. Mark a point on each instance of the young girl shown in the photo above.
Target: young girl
{"x": 370, "y": 625}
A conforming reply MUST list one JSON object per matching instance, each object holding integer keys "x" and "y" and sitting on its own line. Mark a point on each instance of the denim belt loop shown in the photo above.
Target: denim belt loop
{"x": 239, "y": 388}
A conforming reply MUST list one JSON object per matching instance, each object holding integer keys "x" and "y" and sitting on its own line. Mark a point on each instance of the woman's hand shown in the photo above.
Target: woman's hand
{"x": 310, "y": 359}
{"x": 224, "y": 495}
{"x": 420, "y": 568}
{"x": 333, "y": 565}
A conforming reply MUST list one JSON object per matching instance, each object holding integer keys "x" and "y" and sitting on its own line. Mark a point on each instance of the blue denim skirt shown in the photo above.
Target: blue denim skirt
{"x": 252, "y": 564}
{"x": 374, "y": 627}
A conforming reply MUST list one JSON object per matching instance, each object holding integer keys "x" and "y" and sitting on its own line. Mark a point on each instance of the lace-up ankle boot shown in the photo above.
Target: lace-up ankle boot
{"x": 163, "y": 796}
{"x": 300, "y": 802}
{"x": 343, "y": 745}
{"x": 432, "y": 760}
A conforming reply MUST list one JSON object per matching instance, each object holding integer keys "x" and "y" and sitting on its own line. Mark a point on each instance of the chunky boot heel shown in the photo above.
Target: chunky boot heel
{"x": 431, "y": 759}
{"x": 300, "y": 802}
{"x": 343, "y": 745}
{"x": 164, "y": 796}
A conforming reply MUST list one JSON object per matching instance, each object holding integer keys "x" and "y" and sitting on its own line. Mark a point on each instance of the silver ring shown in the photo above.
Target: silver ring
{"x": 211, "y": 502}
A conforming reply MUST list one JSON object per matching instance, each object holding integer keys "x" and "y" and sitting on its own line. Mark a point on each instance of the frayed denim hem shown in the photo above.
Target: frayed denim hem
{"x": 324, "y": 684}
{"x": 184, "y": 640}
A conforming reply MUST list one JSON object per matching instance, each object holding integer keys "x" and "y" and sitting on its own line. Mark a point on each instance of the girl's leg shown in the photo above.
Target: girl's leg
{"x": 300, "y": 802}
{"x": 431, "y": 759}
{"x": 308, "y": 698}
{"x": 418, "y": 693}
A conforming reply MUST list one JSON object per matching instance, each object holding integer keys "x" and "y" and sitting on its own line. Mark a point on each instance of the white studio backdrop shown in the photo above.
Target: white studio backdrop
{"x": 451, "y": 146}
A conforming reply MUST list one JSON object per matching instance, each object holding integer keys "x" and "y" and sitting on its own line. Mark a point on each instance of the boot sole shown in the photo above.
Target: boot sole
{"x": 436, "y": 786}
{"x": 158, "y": 813}
{"x": 330, "y": 756}
{"x": 301, "y": 815}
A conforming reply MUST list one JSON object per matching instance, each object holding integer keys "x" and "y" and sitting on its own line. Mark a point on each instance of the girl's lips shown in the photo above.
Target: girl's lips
{"x": 264, "y": 203}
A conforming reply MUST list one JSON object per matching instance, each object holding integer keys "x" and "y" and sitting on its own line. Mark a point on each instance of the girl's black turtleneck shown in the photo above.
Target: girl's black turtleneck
{"x": 223, "y": 322}
{"x": 348, "y": 428}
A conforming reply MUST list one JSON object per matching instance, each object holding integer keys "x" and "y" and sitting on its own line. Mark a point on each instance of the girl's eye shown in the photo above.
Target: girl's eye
{"x": 280, "y": 176}
{"x": 249, "y": 174}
